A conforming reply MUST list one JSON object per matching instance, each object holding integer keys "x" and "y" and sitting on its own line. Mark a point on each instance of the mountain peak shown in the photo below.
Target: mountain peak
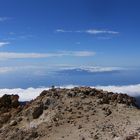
{"x": 79, "y": 113}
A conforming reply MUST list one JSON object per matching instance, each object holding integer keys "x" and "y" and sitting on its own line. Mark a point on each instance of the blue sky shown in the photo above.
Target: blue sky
{"x": 37, "y": 35}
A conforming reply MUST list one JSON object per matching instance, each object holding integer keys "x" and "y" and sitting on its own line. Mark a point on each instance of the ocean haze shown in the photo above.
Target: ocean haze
{"x": 72, "y": 76}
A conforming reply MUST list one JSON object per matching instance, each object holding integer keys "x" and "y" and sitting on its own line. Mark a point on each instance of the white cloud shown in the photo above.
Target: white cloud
{"x": 2, "y": 44}
{"x": 5, "y": 70}
{"x": 25, "y": 94}
{"x": 94, "y": 31}
{"x": 89, "y": 31}
{"x": 32, "y": 93}
{"x": 78, "y": 53}
{"x": 15, "y": 55}
{"x": 102, "y": 69}
{"x": 92, "y": 69}
{"x": 63, "y": 31}
{"x": 4, "y": 19}
{"x": 132, "y": 90}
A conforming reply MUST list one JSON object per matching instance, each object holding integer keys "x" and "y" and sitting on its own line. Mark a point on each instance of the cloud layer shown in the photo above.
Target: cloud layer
{"x": 58, "y": 68}
{"x": 132, "y": 90}
{"x": 32, "y": 93}
{"x": 26, "y": 94}
{"x": 15, "y": 55}
{"x": 92, "y": 69}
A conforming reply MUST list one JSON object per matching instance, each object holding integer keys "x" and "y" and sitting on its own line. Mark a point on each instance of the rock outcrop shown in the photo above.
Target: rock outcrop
{"x": 81, "y": 113}
{"x": 7, "y": 102}
{"x": 9, "y": 106}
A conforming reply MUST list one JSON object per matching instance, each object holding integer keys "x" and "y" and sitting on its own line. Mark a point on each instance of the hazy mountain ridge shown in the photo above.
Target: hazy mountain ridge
{"x": 80, "y": 113}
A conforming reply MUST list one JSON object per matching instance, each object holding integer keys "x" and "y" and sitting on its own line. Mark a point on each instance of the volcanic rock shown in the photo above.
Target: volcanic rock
{"x": 80, "y": 113}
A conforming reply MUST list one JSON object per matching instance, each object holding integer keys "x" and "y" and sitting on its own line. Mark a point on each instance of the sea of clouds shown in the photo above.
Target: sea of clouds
{"x": 32, "y": 93}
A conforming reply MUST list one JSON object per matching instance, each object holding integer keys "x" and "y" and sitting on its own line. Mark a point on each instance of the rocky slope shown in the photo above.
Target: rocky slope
{"x": 81, "y": 113}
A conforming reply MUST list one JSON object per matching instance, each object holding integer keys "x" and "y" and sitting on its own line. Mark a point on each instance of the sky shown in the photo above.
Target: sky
{"x": 40, "y": 36}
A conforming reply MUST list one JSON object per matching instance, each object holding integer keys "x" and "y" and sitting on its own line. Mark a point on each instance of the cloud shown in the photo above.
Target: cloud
{"x": 51, "y": 69}
{"x": 78, "y": 53}
{"x": 78, "y": 43}
{"x": 15, "y": 55}
{"x": 19, "y": 35}
{"x": 89, "y": 31}
{"x": 102, "y": 69}
{"x": 11, "y": 33}
{"x": 92, "y": 69}
{"x": 4, "y": 19}
{"x": 63, "y": 31}
{"x": 25, "y": 94}
{"x": 2, "y": 44}
{"x": 93, "y": 31}
{"x": 8, "y": 69}
{"x": 32, "y": 93}
{"x": 132, "y": 90}
{"x": 5, "y": 70}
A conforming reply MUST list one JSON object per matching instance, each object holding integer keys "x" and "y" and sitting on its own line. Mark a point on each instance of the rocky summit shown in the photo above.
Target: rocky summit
{"x": 80, "y": 113}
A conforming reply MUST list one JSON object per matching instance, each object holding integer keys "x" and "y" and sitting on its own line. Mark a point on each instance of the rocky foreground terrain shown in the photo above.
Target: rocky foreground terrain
{"x": 81, "y": 113}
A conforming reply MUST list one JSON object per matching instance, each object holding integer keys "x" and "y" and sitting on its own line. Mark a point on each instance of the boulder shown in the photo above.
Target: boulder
{"x": 13, "y": 123}
{"x": 49, "y": 102}
{"x": 37, "y": 111}
{"x": 4, "y": 118}
{"x": 9, "y": 101}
